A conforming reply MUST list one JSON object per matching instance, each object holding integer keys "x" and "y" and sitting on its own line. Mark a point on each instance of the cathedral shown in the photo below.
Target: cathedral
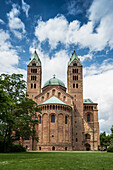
{"x": 67, "y": 121}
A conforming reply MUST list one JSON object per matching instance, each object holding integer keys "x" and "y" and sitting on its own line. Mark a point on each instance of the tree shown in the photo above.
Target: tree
{"x": 17, "y": 113}
{"x": 104, "y": 140}
{"x": 26, "y": 112}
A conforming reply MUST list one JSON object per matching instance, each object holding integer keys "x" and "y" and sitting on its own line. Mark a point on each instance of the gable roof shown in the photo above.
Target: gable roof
{"x": 53, "y": 100}
{"x": 74, "y": 56}
{"x": 36, "y": 57}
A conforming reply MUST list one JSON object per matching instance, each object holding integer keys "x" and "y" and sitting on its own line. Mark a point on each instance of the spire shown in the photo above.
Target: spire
{"x": 36, "y": 57}
{"x": 74, "y": 56}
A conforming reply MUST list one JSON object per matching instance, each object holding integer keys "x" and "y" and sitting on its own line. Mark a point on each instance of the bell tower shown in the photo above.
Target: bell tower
{"x": 75, "y": 89}
{"x": 34, "y": 72}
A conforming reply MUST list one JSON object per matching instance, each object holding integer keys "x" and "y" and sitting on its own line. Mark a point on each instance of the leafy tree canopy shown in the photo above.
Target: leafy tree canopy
{"x": 18, "y": 114}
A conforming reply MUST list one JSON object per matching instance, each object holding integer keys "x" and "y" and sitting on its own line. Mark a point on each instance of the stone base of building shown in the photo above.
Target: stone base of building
{"x": 54, "y": 148}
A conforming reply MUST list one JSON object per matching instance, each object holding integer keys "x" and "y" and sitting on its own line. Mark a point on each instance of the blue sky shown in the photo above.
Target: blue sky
{"x": 55, "y": 29}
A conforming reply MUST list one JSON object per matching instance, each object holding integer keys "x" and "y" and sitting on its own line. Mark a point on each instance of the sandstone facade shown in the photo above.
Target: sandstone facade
{"x": 67, "y": 121}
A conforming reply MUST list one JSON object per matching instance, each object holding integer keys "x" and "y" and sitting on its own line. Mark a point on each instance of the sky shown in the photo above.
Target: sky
{"x": 55, "y": 29}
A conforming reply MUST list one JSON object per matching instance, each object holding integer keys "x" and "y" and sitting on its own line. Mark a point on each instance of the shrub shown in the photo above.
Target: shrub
{"x": 110, "y": 149}
{"x": 17, "y": 148}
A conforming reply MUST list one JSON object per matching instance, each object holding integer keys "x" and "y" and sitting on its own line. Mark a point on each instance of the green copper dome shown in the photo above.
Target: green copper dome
{"x": 54, "y": 81}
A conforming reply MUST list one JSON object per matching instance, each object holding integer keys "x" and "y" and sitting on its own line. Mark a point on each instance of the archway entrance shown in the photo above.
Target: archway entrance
{"x": 88, "y": 147}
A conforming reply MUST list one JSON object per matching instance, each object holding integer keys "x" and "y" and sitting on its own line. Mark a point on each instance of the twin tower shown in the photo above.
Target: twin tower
{"x": 67, "y": 121}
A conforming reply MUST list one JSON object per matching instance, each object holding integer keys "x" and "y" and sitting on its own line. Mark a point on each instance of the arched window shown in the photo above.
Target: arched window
{"x": 53, "y": 107}
{"x": 40, "y": 119}
{"x": 65, "y": 119}
{"x": 88, "y": 117}
{"x": 53, "y": 148}
{"x": 33, "y": 64}
{"x": 74, "y": 64}
{"x": 65, "y": 148}
{"x": 31, "y": 86}
{"x": 87, "y": 136}
{"x": 34, "y": 86}
{"x": 53, "y": 118}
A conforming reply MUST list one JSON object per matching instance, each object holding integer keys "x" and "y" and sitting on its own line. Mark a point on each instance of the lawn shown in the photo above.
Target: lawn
{"x": 56, "y": 161}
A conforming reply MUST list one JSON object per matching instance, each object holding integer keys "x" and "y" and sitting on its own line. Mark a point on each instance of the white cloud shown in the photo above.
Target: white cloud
{"x": 98, "y": 85}
{"x": 84, "y": 57}
{"x": 9, "y": 58}
{"x": 2, "y": 22}
{"x": 15, "y": 23}
{"x": 25, "y": 7}
{"x": 58, "y": 29}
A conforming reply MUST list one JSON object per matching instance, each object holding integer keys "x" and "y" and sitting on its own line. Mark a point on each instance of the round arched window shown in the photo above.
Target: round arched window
{"x": 53, "y": 118}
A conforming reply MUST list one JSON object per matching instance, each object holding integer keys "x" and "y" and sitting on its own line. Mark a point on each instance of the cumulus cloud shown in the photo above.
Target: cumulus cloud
{"x": 9, "y": 58}
{"x": 98, "y": 85}
{"x": 58, "y": 29}
{"x": 15, "y": 23}
{"x": 25, "y": 7}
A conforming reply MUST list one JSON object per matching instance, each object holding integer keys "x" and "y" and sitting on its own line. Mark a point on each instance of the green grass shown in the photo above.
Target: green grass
{"x": 56, "y": 161}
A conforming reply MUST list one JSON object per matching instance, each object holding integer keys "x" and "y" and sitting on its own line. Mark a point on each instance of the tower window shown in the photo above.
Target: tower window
{"x": 76, "y": 85}
{"x": 33, "y": 78}
{"x": 33, "y": 64}
{"x": 75, "y": 77}
{"x": 31, "y": 86}
{"x": 75, "y": 70}
{"x": 53, "y": 118}
{"x": 33, "y": 70}
{"x": 34, "y": 86}
{"x": 73, "y": 85}
{"x": 65, "y": 119}
{"x": 74, "y": 64}
{"x": 76, "y": 139}
{"x": 40, "y": 119}
{"x": 88, "y": 117}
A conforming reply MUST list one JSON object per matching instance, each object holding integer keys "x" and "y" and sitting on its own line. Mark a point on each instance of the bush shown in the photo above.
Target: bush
{"x": 110, "y": 149}
{"x": 17, "y": 148}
